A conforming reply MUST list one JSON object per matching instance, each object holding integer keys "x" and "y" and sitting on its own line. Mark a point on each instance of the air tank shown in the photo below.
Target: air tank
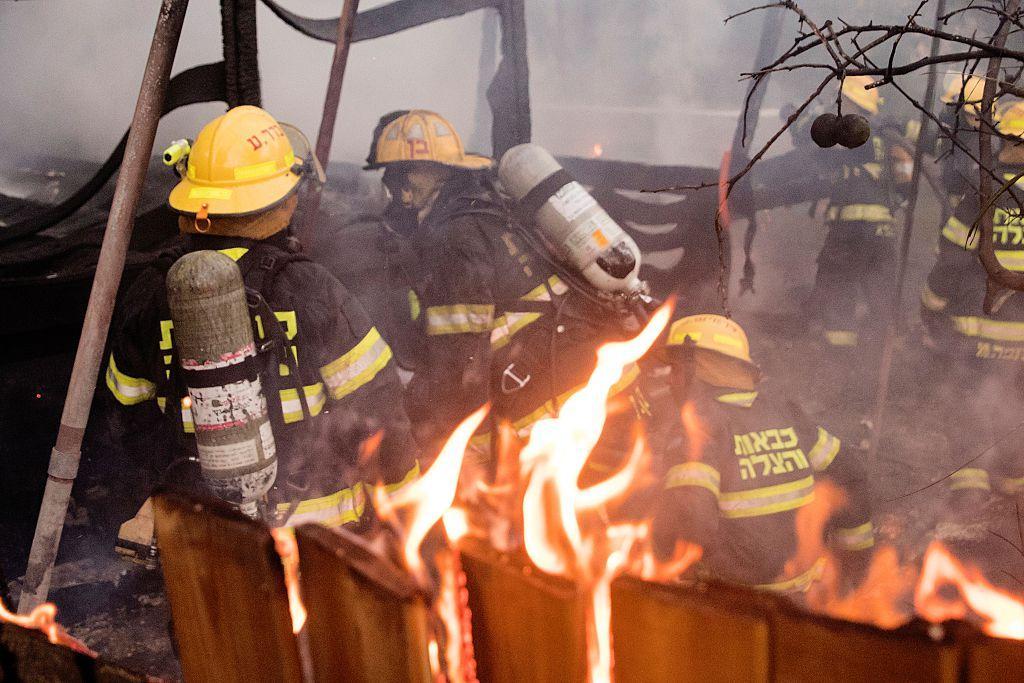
{"x": 571, "y": 222}
{"x": 217, "y": 356}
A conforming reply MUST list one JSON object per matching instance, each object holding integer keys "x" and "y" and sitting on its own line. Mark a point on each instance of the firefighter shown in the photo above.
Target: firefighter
{"x": 744, "y": 466}
{"x": 497, "y": 323}
{"x": 328, "y": 377}
{"x": 981, "y": 356}
{"x": 858, "y": 260}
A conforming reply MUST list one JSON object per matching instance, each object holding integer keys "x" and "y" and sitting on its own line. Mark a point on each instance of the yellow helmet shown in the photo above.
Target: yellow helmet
{"x": 420, "y": 135}
{"x": 854, "y": 89}
{"x": 1010, "y": 119}
{"x": 241, "y": 163}
{"x": 729, "y": 363}
{"x": 972, "y": 87}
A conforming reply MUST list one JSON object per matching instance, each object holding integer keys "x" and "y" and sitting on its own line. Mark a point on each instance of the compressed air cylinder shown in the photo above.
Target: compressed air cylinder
{"x": 217, "y": 355}
{"x": 570, "y": 220}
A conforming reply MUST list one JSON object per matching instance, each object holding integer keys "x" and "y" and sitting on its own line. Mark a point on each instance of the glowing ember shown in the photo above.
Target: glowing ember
{"x": 1003, "y": 614}
{"x": 288, "y": 550}
{"x": 43, "y": 618}
{"x": 597, "y": 150}
{"x": 432, "y": 494}
{"x": 453, "y": 608}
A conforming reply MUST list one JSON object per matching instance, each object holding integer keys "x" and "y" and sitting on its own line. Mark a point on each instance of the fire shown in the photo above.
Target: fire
{"x": 563, "y": 528}
{"x": 44, "y": 618}
{"x": 433, "y": 493}
{"x": 288, "y": 550}
{"x": 597, "y": 151}
{"x": 696, "y": 432}
{"x": 1003, "y": 614}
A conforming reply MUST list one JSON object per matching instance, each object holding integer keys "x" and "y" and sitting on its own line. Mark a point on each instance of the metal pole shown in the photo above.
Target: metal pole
{"x": 67, "y": 451}
{"x": 889, "y": 345}
{"x": 346, "y": 24}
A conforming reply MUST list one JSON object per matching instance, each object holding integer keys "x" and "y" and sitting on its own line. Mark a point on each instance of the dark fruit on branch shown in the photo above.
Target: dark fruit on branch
{"x": 823, "y": 130}
{"x": 852, "y": 130}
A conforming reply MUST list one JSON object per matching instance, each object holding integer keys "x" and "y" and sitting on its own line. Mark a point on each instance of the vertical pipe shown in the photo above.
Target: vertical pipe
{"x": 346, "y": 24}
{"x": 67, "y": 451}
{"x": 889, "y": 345}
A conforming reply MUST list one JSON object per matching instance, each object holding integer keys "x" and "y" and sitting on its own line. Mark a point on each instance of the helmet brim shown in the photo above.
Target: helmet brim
{"x": 188, "y": 197}
{"x": 469, "y": 162}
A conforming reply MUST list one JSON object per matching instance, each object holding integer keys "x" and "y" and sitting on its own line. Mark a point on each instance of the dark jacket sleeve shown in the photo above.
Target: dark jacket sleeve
{"x": 360, "y": 383}
{"x": 851, "y": 528}
{"x": 458, "y": 305}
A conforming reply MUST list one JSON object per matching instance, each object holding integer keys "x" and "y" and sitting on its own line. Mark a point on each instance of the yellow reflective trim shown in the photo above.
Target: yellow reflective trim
{"x": 166, "y": 341}
{"x": 1011, "y": 259}
{"x": 128, "y": 390}
{"x": 841, "y": 337}
{"x": 768, "y": 500}
{"x": 857, "y": 538}
{"x": 970, "y": 478}
{"x": 678, "y": 336}
{"x": 744, "y": 399}
{"x": 868, "y": 213}
{"x": 459, "y": 319}
{"x": 727, "y": 340}
{"x": 161, "y": 403}
{"x": 986, "y": 328}
{"x": 695, "y": 474}
{"x": 209, "y": 193}
{"x": 414, "y": 305}
{"x": 932, "y": 301}
{"x": 958, "y": 233}
{"x": 540, "y": 292}
{"x": 798, "y": 584}
{"x": 234, "y": 253}
{"x": 342, "y": 507}
{"x": 508, "y": 324}
{"x": 1010, "y": 485}
{"x": 824, "y": 450}
{"x": 358, "y": 366}
{"x": 291, "y": 408}
{"x": 255, "y": 171}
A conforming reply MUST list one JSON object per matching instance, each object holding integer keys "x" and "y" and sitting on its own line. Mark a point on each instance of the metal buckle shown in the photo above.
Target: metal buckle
{"x": 509, "y": 375}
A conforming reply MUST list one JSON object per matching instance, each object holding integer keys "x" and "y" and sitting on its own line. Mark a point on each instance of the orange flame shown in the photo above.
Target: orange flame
{"x": 453, "y": 608}
{"x": 696, "y": 433}
{"x": 44, "y": 619}
{"x": 557, "y": 538}
{"x": 288, "y": 550}
{"x": 597, "y": 150}
{"x": 1003, "y": 613}
{"x": 433, "y": 493}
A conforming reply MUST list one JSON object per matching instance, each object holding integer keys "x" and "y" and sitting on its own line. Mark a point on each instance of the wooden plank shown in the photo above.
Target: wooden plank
{"x": 226, "y": 588}
{"x": 809, "y": 647}
{"x": 27, "y": 655}
{"x": 367, "y": 621}
{"x": 526, "y": 626}
{"x": 678, "y": 634}
{"x": 993, "y": 660}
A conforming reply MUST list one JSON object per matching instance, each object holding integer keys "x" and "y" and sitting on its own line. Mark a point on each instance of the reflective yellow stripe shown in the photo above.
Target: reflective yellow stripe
{"x": 970, "y": 478}
{"x": 958, "y": 233}
{"x": 128, "y": 390}
{"x": 932, "y": 301}
{"x": 694, "y": 474}
{"x": 234, "y": 253}
{"x": 824, "y": 451}
{"x": 744, "y": 399}
{"x": 768, "y": 500}
{"x": 1011, "y": 486}
{"x": 507, "y": 325}
{"x": 1011, "y": 259}
{"x": 540, "y": 292}
{"x": 358, "y": 366}
{"x": 412, "y": 475}
{"x": 209, "y": 193}
{"x": 459, "y": 318}
{"x": 343, "y": 507}
{"x": 986, "y": 328}
{"x": 858, "y": 538}
{"x": 841, "y": 337}
{"x": 264, "y": 169}
{"x": 868, "y": 213}
{"x": 414, "y": 306}
{"x": 291, "y": 407}
{"x": 798, "y": 584}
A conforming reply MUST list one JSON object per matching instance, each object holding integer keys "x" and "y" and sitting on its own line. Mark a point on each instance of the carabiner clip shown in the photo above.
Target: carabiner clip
{"x": 202, "y": 217}
{"x": 509, "y": 375}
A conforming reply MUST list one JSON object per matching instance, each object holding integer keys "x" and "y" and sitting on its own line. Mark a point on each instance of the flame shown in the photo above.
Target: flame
{"x": 1002, "y": 613}
{"x": 563, "y": 530}
{"x": 696, "y": 433}
{"x": 879, "y": 598}
{"x": 597, "y": 150}
{"x": 453, "y": 609}
{"x": 44, "y": 619}
{"x": 288, "y": 550}
{"x": 456, "y": 524}
{"x": 433, "y": 493}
